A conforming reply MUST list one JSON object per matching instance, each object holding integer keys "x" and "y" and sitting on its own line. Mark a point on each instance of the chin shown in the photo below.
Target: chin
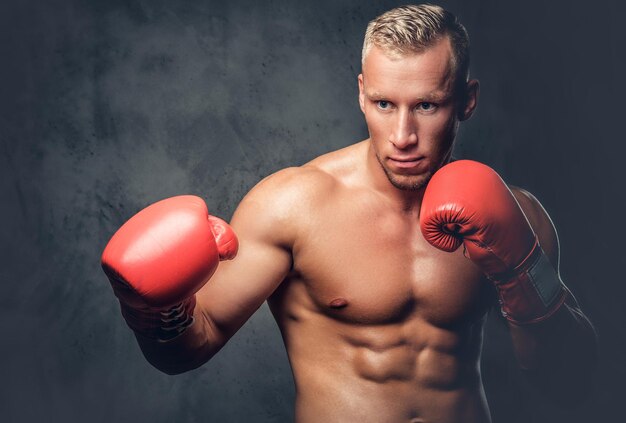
{"x": 408, "y": 182}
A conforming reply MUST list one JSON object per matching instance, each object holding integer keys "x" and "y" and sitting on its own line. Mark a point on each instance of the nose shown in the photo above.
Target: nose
{"x": 404, "y": 131}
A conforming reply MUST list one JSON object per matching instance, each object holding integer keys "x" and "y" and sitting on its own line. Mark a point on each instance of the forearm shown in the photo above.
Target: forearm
{"x": 558, "y": 354}
{"x": 510, "y": 237}
{"x": 191, "y": 349}
{"x": 156, "y": 263}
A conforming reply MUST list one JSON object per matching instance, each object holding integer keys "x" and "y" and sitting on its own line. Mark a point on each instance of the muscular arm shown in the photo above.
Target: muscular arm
{"x": 264, "y": 226}
{"x": 467, "y": 203}
{"x": 558, "y": 354}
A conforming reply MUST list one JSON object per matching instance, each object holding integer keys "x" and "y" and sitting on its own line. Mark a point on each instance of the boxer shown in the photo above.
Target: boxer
{"x": 379, "y": 261}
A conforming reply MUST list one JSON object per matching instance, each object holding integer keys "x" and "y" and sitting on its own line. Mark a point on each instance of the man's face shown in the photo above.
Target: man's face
{"x": 412, "y": 111}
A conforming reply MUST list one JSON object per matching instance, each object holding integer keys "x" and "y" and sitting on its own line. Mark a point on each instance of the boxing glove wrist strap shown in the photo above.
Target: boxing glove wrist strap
{"x": 162, "y": 325}
{"x": 532, "y": 292}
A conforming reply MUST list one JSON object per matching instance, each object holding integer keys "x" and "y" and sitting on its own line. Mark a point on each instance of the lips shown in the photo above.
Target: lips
{"x": 405, "y": 162}
{"x": 405, "y": 159}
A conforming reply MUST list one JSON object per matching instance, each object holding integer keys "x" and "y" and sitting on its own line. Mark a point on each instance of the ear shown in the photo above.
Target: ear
{"x": 472, "y": 90}
{"x": 361, "y": 93}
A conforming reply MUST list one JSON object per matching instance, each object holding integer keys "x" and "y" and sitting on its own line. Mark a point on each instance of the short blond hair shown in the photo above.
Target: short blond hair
{"x": 412, "y": 29}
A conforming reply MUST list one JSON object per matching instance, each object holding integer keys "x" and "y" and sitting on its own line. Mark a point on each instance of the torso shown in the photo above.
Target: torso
{"x": 379, "y": 326}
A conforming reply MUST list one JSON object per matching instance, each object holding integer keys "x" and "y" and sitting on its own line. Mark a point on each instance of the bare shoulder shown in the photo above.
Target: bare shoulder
{"x": 279, "y": 206}
{"x": 274, "y": 209}
{"x": 294, "y": 187}
{"x": 289, "y": 187}
{"x": 540, "y": 222}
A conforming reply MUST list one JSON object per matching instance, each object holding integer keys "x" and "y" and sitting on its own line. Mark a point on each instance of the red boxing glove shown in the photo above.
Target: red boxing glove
{"x": 160, "y": 258}
{"x": 467, "y": 203}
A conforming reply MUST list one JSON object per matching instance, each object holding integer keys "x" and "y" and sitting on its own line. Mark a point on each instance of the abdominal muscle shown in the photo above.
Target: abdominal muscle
{"x": 409, "y": 371}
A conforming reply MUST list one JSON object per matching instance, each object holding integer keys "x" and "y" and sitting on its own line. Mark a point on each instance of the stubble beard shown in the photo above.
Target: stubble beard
{"x": 406, "y": 183}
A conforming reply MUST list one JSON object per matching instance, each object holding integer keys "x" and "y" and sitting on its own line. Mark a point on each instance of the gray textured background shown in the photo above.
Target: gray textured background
{"x": 106, "y": 106}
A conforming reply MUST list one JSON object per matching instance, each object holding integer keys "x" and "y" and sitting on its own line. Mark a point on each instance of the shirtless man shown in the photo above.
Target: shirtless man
{"x": 357, "y": 254}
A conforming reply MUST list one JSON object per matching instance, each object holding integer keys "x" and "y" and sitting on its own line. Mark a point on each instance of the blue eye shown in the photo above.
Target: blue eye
{"x": 426, "y": 106}
{"x": 382, "y": 104}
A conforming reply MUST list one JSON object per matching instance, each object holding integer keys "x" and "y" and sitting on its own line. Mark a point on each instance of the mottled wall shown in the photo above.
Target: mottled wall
{"x": 107, "y": 106}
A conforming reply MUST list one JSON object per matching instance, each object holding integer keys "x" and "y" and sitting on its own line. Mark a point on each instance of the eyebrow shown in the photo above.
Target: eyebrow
{"x": 374, "y": 95}
{"x": 435, "y": 97}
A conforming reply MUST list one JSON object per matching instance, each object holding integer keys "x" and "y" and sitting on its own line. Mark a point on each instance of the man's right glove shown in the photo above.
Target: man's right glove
{"x": 160, "y": 258}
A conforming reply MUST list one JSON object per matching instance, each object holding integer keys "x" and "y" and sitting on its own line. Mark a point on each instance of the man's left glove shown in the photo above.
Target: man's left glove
{"x": 467, "y": 203}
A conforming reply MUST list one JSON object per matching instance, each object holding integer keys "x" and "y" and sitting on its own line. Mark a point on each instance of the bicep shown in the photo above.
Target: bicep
{"x": 240, "y": 286}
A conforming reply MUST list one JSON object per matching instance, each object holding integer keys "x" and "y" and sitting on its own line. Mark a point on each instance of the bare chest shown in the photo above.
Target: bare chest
{"x": 365, "y": 265}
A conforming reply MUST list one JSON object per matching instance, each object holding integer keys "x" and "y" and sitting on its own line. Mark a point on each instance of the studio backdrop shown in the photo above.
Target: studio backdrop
{"x": 108, "y": 106}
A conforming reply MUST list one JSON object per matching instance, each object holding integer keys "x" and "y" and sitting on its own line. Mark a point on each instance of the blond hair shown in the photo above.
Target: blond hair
{"x": 412, "y": 29}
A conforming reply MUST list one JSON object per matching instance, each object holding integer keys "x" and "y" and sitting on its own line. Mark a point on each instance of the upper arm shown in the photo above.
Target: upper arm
{"x": 267, "y": 222}
{"x": 263, "y": 223}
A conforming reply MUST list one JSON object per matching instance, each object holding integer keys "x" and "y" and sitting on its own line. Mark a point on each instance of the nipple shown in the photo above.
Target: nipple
{"x": 338, "y": 303}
